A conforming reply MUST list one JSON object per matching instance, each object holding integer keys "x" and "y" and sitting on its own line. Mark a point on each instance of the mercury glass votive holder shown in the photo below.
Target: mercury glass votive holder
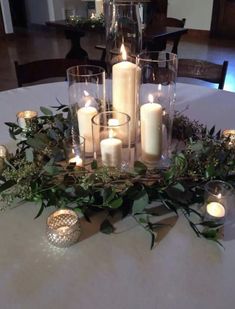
{"x": 229, "y": 134}
{"x": 219, "y": 198}
{"x": 74, "y": 148}
{"x": 26, "y": 119}
{"x": 111, "y": 139}
{"x": 86, "y": 88}
{"x": 63, "y": 228}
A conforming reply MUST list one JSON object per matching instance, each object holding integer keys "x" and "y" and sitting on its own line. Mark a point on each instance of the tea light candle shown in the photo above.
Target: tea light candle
{"x": 25, "y": 117}
{"x": 215, "y": 209}
{"x": 84, "y": 115}
{"x": 77, "y": 160}
{"x": 151, "y": 131}
{"x": 124, "y": 89}
{"x": 63, "y": 228}
{"x": 230, "y": 134}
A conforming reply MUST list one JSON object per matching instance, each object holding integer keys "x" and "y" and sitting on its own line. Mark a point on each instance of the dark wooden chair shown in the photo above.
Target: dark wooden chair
{"x": 159, "y": 21}
{"x": 40, "y": 70}
{"x": 203, "y": 70}
{"x": 174, "y": 22}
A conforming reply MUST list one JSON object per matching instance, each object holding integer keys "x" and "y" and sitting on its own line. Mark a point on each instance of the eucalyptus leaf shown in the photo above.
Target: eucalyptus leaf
{"x": 116, "y": 203}
{"x": 40, "y": 210}
{"x": 29, "y": 154}
{"x": 12, "y": 125}
{"x": 140, "y": 204}
{"x": 8, "y": 184}
{"x": 140, "y": 168}
{"x": 46, "y": 111}
{"x": 52, "y": 170}
{"x": 106, "y": 227}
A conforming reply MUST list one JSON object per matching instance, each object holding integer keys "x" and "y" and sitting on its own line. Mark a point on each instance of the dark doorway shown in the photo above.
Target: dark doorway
{"x": 2, "y": 30}
{"x": 155, "y": 9}
{"x": 18, "y": 13}
{"x": 223, "y": 19}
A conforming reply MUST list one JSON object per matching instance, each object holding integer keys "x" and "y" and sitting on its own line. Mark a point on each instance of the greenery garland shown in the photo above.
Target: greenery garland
{"x": 35, "y": 173}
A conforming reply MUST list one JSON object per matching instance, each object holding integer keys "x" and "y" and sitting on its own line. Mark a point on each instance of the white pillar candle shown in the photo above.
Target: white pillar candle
{"x": 111, "y": 152}
{"x": 77, "y": 160}
{"x": 84, "y": 115}
{"x": 215, "y": 209}
{"x": 151, "y": 131}
{"x": 124, "y": 87}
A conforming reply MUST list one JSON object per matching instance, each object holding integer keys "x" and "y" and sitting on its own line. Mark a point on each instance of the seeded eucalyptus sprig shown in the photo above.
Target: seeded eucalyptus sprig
{"x": 37, "y": 172}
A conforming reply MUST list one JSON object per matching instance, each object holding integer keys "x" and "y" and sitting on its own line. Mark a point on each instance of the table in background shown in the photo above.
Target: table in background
{"x": 74, "y": 33}
{"x": 157, "y": 38}
{"x": 115, "y": 271}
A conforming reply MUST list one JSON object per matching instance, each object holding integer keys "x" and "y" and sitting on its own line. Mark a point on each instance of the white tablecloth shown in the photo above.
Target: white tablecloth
{"x": 116, "y": 271}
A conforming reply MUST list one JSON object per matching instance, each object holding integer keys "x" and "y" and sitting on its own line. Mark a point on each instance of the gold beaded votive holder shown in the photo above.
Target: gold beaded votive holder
{"x": 229, "y": 134}
{"x": 26, "y": 120}
{"x": 63, "y": 228}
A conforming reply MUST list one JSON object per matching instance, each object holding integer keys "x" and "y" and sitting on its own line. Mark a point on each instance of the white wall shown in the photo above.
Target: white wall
{"x": 6, "y": 14}
{"x": 58, "y": 9}
{"x": 198, "y": 13}
{"x": 37, "y": 11}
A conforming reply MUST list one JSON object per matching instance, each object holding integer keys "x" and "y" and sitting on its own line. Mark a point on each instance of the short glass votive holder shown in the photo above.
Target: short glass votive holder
{"x": 3, "y": 151}
{"x": 219, "y": 198}
{"x": 86, "y": 99}
{"x": 63, "y": 228}
{"x": 156, "y": 97}
{"x": 111, "y": 139}
{"x": 229, "y": 135}
{"x": 74, "y": 147}
{"x": 26, "y": 120}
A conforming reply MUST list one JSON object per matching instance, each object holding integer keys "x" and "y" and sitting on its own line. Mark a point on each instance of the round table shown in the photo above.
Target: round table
{"x": 117, "y": 271}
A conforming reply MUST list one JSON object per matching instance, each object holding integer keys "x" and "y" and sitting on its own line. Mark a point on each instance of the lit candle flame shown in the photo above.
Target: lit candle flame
{"x": 219, "y": 196}
{"x": 123, "y": 52}
{"x": 150, "y": 98}
{"x": 92, "y": 16}
{"x": 88, "y": 98}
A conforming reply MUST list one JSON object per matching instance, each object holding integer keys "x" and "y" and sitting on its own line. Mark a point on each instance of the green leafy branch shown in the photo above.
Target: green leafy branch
{"x": 38, "y": 172}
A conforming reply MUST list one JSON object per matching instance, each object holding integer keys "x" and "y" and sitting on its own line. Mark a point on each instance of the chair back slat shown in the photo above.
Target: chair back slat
{"x": 48, "y": 68}
{"x": 203, "y": 70}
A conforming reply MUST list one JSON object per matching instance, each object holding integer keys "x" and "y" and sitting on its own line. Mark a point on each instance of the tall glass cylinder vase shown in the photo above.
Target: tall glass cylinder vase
{"x": 156, "y": 97}
{"x": 123, "y": 26}
{"x": 86, "y": 99}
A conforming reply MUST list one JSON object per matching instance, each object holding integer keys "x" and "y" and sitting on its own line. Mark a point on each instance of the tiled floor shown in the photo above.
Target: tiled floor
{"x": 34, "y": 45}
